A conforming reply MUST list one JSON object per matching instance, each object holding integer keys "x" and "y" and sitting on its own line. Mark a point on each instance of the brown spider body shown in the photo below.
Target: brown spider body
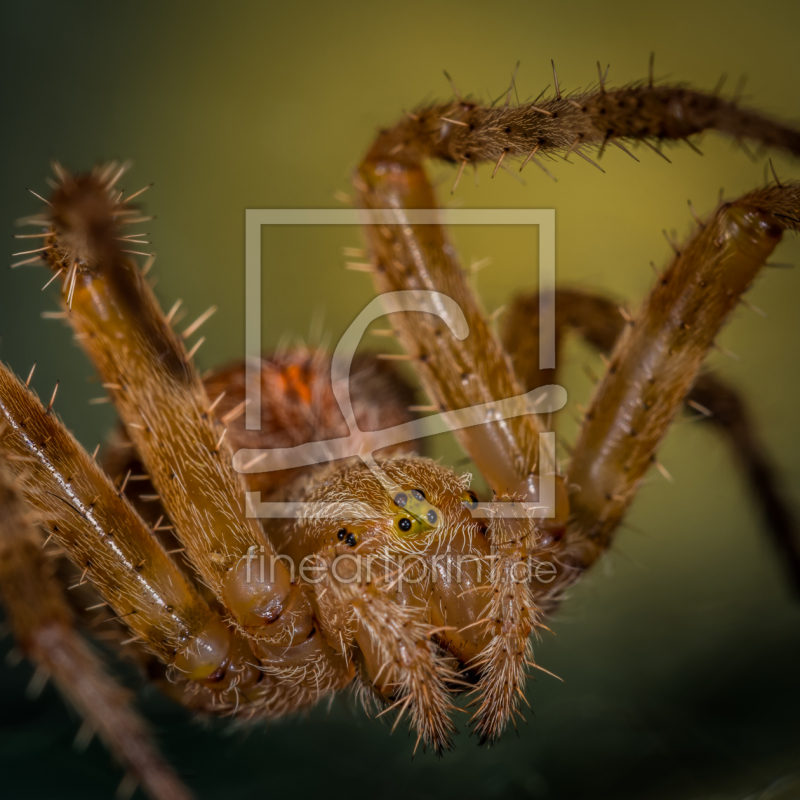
{"x": 411, "y": 592}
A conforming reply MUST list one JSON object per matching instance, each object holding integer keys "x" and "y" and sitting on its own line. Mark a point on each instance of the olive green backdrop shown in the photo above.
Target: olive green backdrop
{"x": 679, "y": 655}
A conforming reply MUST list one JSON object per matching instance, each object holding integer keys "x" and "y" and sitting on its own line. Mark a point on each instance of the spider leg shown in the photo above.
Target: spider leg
{"x": 464, "y": 132}
{"x": 115, "y": 552}
{"x": 43, "y": 626}
{"x": 157, "y": 393}
{"x": 391, "y": 179}
{"x": 167, "y": 414}
{"x": 600, "y": 321}
{"x": 105, "y": 538}
{"x": 597, "y": 320}
{"x": 456, "y": 373}
{"x": 485, "y": 609}
{"x": 398, "y": 654}
{"x": 729, "y": 414}
{"x": 658, "y": 357}
{"x": 511, "y": 614}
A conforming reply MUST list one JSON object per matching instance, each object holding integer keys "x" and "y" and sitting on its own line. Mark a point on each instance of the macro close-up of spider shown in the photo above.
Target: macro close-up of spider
{"x": 259, "y": 538}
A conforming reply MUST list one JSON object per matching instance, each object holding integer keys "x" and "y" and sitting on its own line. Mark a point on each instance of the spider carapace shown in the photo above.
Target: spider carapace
{"x": 412, "y": 588}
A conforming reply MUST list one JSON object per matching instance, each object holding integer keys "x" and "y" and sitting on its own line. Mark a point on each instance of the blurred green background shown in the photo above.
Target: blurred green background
{"x": 680, "y": 653}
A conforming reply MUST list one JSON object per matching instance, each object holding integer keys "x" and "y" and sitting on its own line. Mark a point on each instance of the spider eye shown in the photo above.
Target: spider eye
{"x": 341, "y": 533}
{"x": 470, "y": 500}
{"x": 418, "y": 517}
{"x": 351, "y": 540}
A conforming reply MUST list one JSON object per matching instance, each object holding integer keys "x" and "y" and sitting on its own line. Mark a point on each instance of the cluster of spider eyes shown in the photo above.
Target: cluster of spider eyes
{"x": 420, "y": 515}
{"x": 348, "y": 537}
{"x": 401, "y": 500}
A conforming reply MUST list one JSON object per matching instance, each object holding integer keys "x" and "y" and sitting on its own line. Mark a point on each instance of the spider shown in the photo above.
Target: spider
{"x": 412, "y": 589}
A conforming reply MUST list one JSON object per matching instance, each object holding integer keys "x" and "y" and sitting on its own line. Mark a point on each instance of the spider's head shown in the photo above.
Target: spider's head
{"x": 421, "y": 509}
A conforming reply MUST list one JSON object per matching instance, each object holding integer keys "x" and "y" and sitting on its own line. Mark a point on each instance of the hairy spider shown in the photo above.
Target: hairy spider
{"x": 411, "y": 588}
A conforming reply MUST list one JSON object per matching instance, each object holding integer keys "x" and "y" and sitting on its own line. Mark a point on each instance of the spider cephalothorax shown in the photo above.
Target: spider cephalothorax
{"x": 396, "y": 577}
